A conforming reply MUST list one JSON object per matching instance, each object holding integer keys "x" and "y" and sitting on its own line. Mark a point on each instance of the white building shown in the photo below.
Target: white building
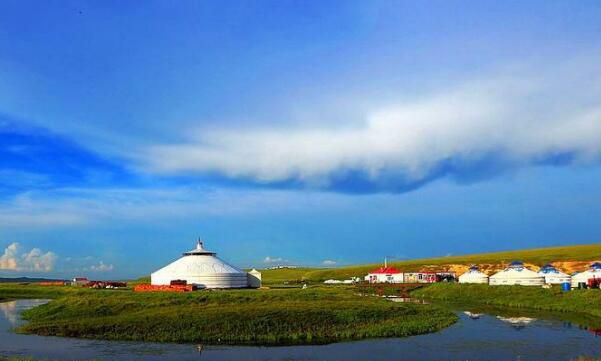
{"x": 203, "y": 269}
{"x": 385, "y": 275}
{"x": 553, "y": 276}
{"x": 517, "y": 274}
{"x": 80, "y": 281}
{"x": 594, "y": 272}
{"x": 473, "y": 275}
{"x": 254, "y": 279}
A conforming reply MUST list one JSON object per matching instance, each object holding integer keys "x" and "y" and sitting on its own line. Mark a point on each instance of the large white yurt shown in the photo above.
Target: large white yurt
{"x": 473, "y": 275}
{"x": 594, "y": 272}
{"x": 517, "y": 274}
{"x": 553, "y": 276}
{"x": 202, "y": 268}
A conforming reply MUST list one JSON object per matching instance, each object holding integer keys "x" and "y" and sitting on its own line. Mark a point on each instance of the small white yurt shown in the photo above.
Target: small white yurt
{"x": 201, "y": 268}
{"x": 553, "y": 276}
{"x": 254, "y": 279}
{"x": 594, "y": 272}
{"x": 517, "y": 274}
{"x": 473, "y": 275}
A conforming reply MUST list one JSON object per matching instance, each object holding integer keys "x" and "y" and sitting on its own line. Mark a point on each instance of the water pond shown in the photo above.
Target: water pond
{"x": 477, "y": 336}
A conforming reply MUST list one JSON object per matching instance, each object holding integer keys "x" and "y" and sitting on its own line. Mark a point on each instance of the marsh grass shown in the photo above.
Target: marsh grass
{"x": 266, "y": 317}
{"x": 21, "y": 358}
{"x": 13, "y": 291}
{"x": 582, "y": 302}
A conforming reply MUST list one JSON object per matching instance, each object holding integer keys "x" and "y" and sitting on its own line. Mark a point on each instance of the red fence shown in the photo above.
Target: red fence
{"x": 169, "y": 288}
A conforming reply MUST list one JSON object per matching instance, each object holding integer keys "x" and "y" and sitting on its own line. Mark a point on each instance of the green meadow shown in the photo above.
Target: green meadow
{"x": 583, "y": 303}
{"x": 19, "y": 358}
{"x": 235, "y": 317}
{"x": 284, "y": 313}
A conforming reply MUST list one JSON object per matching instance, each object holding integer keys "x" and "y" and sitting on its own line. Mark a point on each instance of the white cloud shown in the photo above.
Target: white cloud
{"x": 35, "y": 260}
{"x": 522, "y": 119}
{"x": 101, "y": 267}
{"x": 271, "y": 260}
{"x": 329, "y": 262}
{"x": 8, "y": 261}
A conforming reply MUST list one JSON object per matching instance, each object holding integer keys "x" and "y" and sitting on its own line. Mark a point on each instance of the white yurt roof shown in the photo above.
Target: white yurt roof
{"x": 516, "y": 270}
{"x": 473, "y": 275}
{"x": 552, "y": 273}
{"x": 549, "y": 269}
{"x": 593, "y": 272}
{"x": 201, "y": 267}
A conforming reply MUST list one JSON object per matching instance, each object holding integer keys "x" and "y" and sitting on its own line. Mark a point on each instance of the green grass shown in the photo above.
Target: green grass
{"x": 538, "y": 256}
{"x": 20, "y": 358}
{"x": 585, "y": 302}
{"x": 13, "y": 291}
{"x": 285, "y": 276}
{"x": 266, "y": 317}
{"x": 290, "y": 315}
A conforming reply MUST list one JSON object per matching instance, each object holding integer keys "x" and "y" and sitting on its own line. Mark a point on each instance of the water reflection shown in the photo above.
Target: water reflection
{"x": 517, "y": 322}
{"x": 477, "y": 336}
{"x": 472, "y": 315}
{"x": 407, "y": 300}
{"x": 9, "y": 309}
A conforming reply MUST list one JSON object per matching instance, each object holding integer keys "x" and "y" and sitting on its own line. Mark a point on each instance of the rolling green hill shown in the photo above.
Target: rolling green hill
{"x": 537, "y": 256}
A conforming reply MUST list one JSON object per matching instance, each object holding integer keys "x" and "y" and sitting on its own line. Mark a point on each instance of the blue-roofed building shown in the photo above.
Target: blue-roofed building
{"x": 517, "y": 274}
{"x": 473, "y": 275}
{"x": 593, "y": 273}
{"x": 553, "y": 276}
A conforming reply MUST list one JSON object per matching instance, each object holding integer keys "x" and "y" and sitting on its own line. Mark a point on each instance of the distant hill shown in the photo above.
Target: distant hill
{"x": 28, "y": 280}
{"x": 568, "y": 258}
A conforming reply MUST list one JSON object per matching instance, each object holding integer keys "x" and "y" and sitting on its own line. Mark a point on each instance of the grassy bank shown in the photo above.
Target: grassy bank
{"x": 586, "y": 302}
{"x": 538, "y": 256}
{"x": 20, "y": 358}
{"x": 267, "y": 317}
{"x": 11, "y": 291}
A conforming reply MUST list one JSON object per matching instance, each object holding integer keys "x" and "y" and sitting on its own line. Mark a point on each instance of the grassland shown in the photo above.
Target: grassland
{"x": 582, "y": 302}
{"x": 286, "y": 276}
{"x": 266, "y": 317}
{"x": 538, "y": 256}
{"x": 20, "y": 358}
{"x": 286, "y": 314}
{"x": 12, "y": 291}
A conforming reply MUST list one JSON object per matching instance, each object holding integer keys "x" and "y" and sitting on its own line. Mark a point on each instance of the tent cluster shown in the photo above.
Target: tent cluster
{"x": 517, "y": 274}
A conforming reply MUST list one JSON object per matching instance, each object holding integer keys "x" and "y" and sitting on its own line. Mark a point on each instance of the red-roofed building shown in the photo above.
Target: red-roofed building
{"x": 385, "y": 275}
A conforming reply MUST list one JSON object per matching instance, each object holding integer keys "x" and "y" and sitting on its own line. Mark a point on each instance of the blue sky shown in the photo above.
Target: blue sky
{"x": 330, "y": 132}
